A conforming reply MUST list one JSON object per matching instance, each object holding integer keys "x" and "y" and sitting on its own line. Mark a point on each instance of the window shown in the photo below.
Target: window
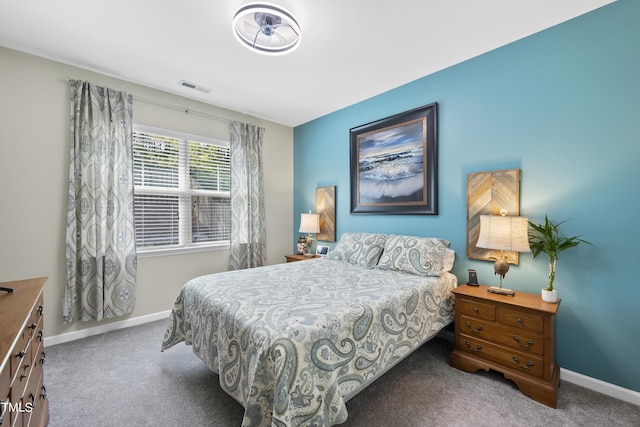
{"x": 181, "y": 186}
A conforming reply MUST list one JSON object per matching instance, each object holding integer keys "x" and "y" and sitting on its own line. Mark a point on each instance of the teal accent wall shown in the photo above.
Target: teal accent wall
{"x": 563, "y": 106}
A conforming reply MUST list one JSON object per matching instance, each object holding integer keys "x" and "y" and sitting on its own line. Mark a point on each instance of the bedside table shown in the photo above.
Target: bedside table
{"x": 514, "y": 335}
{"x": 295, "y": 257}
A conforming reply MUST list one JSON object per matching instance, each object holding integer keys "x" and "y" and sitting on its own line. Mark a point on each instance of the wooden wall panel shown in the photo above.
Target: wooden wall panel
{"x": 487, "y": 194}
{"x": 326, "y": 208}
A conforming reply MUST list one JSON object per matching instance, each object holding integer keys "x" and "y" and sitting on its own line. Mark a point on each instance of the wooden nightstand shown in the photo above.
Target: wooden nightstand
{"x": 295, "y": 257}
{"x": 514, "y": 335}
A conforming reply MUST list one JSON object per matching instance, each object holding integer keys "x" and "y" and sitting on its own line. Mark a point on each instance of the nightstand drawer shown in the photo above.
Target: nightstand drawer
{"x": 510, "y": 359}
{"x": 519, "y": 319}
{"x": 520, "y": 340}
{"x": 476, "y": 309}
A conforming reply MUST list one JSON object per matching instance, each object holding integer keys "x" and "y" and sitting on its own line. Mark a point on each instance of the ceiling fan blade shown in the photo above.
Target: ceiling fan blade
{"x": 281, "y": 38}
{"x": 250, "y": 27}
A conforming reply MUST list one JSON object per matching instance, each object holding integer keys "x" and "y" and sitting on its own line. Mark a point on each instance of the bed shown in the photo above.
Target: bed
{"x": 293, "y": 342}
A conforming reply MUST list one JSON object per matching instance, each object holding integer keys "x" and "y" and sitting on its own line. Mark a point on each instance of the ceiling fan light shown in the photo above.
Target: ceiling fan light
{"x": 266, "y": 29}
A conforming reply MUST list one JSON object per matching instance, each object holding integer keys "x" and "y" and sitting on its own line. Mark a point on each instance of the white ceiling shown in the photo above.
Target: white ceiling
{"x": 350, "y": 49}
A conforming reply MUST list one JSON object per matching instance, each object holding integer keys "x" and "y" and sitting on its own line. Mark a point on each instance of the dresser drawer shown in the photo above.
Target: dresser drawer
{"x": 36, "y": 313}
{"x": 31, "y": 392}
{"x": 20, "y": 353}
{"x": 526, "y": 363}
{"x": 5, "y": 382}
{"x": 22, "y": 375}
{"x": 5, "y": 416}
{"x": 519, "y": 339}
{"x": 17, "y": 418}
{"x": 38, "y": 354}
{"x": 476, "y": 309}
{"x": 520, "y": 319}
{"x": 41, "y": 404}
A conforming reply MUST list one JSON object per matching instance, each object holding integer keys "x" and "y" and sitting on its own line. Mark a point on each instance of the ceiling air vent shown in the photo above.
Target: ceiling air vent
{"x": 194, "y": 86}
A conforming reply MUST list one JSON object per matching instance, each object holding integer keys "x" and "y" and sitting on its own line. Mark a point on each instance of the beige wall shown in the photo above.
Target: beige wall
{"x": 34, "y": 134}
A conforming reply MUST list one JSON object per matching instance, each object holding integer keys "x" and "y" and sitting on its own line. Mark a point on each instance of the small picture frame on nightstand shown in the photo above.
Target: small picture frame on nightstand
{"x": 322, "y": 250}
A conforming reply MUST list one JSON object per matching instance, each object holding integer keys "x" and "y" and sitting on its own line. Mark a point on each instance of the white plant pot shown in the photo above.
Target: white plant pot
{"x": 549, "y": 296}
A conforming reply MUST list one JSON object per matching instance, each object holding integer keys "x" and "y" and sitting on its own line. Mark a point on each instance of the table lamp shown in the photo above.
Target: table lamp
{"x": 503, "y": 233}
{"x": 309, "y": 223}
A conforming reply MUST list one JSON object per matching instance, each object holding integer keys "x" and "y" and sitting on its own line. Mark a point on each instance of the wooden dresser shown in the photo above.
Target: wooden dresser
{"x": 514, "y": 335}
{"x": 22, "y": 391}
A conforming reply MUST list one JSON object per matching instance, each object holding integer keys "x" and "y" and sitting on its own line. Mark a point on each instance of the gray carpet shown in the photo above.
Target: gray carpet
{"x": 122, "y": 379}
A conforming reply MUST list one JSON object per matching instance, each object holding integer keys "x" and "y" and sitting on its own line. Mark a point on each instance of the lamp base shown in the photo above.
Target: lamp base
{"x": 502, "y": 291}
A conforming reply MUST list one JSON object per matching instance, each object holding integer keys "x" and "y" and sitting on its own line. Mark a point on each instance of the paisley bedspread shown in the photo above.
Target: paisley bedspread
{"x": 292, "y": 342}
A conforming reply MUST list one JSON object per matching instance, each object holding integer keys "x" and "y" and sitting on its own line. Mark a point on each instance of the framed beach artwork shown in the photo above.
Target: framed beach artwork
{"x": 394, "y": 164}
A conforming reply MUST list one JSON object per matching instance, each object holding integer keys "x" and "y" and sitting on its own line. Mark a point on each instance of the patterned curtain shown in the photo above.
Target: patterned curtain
{"x": 100, "y": 248}
{"x": 248, "y": 234}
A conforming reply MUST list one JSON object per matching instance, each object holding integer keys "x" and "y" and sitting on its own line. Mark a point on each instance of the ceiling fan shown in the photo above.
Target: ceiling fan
{"x": 266, "y": 29}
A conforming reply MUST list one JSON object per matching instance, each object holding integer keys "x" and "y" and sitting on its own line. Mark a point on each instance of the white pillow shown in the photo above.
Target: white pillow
{"x": 448, "y": 259}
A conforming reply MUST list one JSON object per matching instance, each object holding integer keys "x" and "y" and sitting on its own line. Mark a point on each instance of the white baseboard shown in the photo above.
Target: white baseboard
{"x": 565, "y": 374}
{"x": 108, "y": 327}
{"x": 594, "y": 384}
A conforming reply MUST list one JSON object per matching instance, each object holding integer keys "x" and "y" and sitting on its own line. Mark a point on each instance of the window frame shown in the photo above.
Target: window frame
{"x": 182, "y": 192}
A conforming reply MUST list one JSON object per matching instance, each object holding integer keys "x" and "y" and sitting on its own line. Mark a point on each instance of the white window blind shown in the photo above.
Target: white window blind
{"x": 181, "y": 185}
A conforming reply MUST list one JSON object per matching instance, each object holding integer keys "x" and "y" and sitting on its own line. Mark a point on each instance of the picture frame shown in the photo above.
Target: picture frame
{"x": 394, "y": 164}
{"x": 322, "y": 250}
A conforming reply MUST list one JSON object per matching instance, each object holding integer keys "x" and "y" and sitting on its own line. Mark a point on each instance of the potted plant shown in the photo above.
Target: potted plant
{"x": 546, "y": 238}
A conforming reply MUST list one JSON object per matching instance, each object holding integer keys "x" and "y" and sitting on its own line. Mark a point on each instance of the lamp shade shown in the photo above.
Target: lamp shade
{"x": 506, "y": 233}
{"x": 309, "y": 223}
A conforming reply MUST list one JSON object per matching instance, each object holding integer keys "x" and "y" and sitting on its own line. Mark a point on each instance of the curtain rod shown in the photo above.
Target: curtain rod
{"x": 167, "y": 105}
{"x": 178, "y": 108}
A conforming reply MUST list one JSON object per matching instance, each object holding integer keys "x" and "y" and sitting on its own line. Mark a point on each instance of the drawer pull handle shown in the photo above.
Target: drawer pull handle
{"x": 40, "y": 309}
{"x": 44, "y": 392}
{"x": 22, "y": 376}
{"x": 478, "y": 347}
{"x": 21, "y": 354}
{"x": 26, "y": 366}
{"x": 519, "y": 320}
{"x": 475, "y": 309}
{"x": 527, "y": 345}
{"x": 475, "y": 331}
{"x": 40, "y": 335}
{"x": 529, "y": 363}
{"x": 42, "y": 358}
{"x": 33, "y": 326}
